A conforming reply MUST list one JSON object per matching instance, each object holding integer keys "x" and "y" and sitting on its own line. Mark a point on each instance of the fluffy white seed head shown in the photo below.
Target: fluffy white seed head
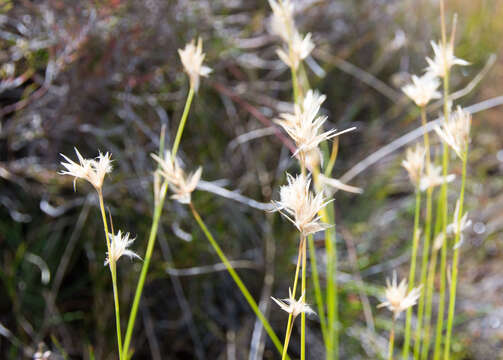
{"x": 91, "y": 170}
{"x": 443, "y": 59}
{"x": 422, "y": 89}
{"x": 304, "y": 126}
{"x": 300, "y": 206}
{"x": 119, "y": 244}
{"x": 434, "y": 178}
{"x": 293, "y": 306}
{"x": 180, "y": 183}
{"x": 299, "y": 48}
{"x": 456, "y": 131}
{"x": 397, "y": 298}
{"x": 282, "y": 21}
{"x": 458, "y": 225}
{"x": 414, "y": 163}
{"x": 192, "y": 58}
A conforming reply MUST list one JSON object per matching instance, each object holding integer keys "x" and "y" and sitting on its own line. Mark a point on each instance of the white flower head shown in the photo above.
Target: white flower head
{"x": 282, "y": 21}
{"x": 292, "y": 306}
{"x": 422, "y": 89}
{"x": 299, "y": 48}
{"x": 192, "y": 58}
{"x": 434, "y": 178}
{"x": 444, "y": 59}
{"x": 304, "y": 125}
{"x": 300, "y": 206}
{"x": 456, "y": 131}
{"x": 119, "y": 246}
{"x": 458, "y": 225}
{"x": 91, "y": 170}
{"x": 181, "y": 184}
{"x": 397, "y": 298}
{"x": 414, "y": 163}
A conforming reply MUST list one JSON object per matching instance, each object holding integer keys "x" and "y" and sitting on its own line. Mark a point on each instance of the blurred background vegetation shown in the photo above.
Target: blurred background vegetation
{"x": 105, "y": 74}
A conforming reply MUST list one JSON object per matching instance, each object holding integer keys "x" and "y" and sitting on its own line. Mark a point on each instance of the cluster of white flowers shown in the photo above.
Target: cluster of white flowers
{"x": 119, "y": 244}
{"x": 414, "y": 163}
{"x": 180, "y": 183}
{"x": 397, "y": 297}
{"x": 283, "y": 25}
{"x": 192, "y": 58}
{"x": 91, "y": 170}
{"x": 305, "y": 127}
{"x": 434, "y": 178}
{"x": 293, "y": 306}
{"x": 456, "y": 131}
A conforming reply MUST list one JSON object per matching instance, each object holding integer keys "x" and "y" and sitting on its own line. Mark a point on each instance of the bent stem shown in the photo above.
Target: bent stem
{"x": 113, "y": 271}
{"x": 144, "y": 270}
{"x": 412, "y": 272}
{"x": 455, "y": 262}
{"x": 237, "y": 279}
{"x": 181, "y": 126}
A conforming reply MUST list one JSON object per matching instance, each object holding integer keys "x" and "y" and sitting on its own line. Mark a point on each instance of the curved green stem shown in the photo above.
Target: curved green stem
{"x": 181, "y": 126}
{"x": 144, "y": 270}
{"x": 111, "y": 264}
{"x": 412, "y": 272}
{"x": 237, "y": 279}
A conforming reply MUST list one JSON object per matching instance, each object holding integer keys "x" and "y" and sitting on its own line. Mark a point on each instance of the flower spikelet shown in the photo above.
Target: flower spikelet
{"x": 180, "y": 183}
{"x": 282, "y": 22}
{"x": 456, "y": 131}
{"x": 192, "y": 58}
{"x": 414, "y": 163}
{"x": 443, "y": 59}
{"x": 300, "y": 206}
{"x": 434, "y": 178}
{"x": 397, "y": 298}
{"x": 292, "y": 306}
{"x": 299, "y": 48}
{"x": 304, "y": 125}
{"x": 119, "y": 246}
{"x": 458, "y": 225}
{"x": 422, "y": 89}
{"x": 91, "y": 170}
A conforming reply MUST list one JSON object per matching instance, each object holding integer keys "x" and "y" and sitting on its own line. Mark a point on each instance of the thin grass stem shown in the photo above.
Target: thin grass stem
{"x": 111, "y": 263}
{"x": 455, "y": 262}
{"x": 317, "y": 288}
{"x": 391, "y": 339}
{"x": 237, "y": 280}
{"x": 303, "y": 315}
{"x": 181, "y": 126}
{"x": 412, "y": 272}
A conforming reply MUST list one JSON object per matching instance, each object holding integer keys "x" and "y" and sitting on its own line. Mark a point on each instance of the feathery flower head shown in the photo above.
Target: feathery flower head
{"x": 181, "y": 184}
{"x": 456, "y": 131}
{"x": 444, "y": 59}
{"x": 300, "y": 206}
{"x": 414, "y": 163}
{"x": 422, "y": 89}
{"x": 91, "y": 170}
{"x": 458, "y": 226}
{"x": 434, "y": 178}
{"x": 292, "y": 306}
{"x": 119, "y": 246}
{"x": 282, "y": 21}
{"x": 304, "y": 126}
{"x": 299, "y": 49}
{"x": 192, "y": 58}
{"x": 397, "y": 298}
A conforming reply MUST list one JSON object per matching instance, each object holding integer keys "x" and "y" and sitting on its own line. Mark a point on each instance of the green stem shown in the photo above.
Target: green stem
{"x": 144, "y": 270}
{"x": 181, "y": 126}
{"x": 237, "y": 280}
{"x": 317, "y": 289}
{"x": 443, "y": 260}
{"x": 303, "y": 315}
{"x": 391, "y": 340}
{"x": 295, "y": 85}
{"x": 455, "y": 262}
{"x": 111, "y": 264}
{"x": 412, "y": 272}
{"x": 288, "y": 334}
{"x": 426, "y": 246}
{"x": 327, "y": 216}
